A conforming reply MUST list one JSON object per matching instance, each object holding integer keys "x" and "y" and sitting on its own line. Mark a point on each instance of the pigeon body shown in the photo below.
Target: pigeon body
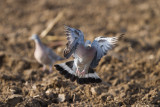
{"x": 86, "y": 56}
{"x": 43, "y": 54}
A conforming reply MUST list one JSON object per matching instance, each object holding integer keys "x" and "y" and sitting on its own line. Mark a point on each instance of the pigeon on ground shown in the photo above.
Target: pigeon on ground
{"x": 43, "y": 54}
{"x": 86, "y": 56}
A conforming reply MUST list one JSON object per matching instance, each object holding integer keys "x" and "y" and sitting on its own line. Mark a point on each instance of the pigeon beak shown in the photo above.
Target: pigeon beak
{"x": 89, "y": 45}
{"x": 31, "y": 38}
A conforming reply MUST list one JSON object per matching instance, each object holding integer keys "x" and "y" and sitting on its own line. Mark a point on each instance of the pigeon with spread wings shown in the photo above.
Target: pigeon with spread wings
{"x": 86, "y": 56}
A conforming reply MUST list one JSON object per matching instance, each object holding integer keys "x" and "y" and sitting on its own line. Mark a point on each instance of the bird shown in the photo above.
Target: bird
{"x": 86, "y": 56}
{"x": 43, "y": 54}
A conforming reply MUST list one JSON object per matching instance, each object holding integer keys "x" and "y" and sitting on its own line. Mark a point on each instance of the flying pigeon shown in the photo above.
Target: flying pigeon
{"x": 43, "y": 54}
{"x": 86, "y": 56}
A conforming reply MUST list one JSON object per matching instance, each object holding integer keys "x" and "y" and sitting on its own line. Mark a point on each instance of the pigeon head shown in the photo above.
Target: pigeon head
{"x": 88, "y": 43}
{"x": 34, "y": 37}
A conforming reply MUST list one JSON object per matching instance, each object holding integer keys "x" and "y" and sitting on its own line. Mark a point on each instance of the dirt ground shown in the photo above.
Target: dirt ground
{"x": 130, "y": 72}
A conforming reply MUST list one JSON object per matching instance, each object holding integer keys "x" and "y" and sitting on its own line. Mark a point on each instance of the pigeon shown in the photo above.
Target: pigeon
{"x": 43, "y": 54}
{"x": 86, "y": 56}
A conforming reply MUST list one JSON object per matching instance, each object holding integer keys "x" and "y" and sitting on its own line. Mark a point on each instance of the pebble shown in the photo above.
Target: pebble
{"x": 61, "y": 97}
{"x": 95, "y": 91}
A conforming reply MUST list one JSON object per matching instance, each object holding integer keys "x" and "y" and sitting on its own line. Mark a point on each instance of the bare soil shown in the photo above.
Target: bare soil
{"x": 130, "y": 72}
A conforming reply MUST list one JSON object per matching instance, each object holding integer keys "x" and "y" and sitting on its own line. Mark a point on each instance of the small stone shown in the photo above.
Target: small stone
{"x": 95, "y": 91}
{"x": 57, "y": 89}
{"x": 48, "y": 91}
{"x": 36, "y": 96}
{"x": 50, "y": 94}
{"x": 61, "y": 97}
{"x": 151, "y": 57}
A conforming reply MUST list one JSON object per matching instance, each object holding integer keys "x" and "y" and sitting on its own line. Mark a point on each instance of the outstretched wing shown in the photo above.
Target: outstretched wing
{"x": 74, "y": 37}
{"x": 103, "y": 45}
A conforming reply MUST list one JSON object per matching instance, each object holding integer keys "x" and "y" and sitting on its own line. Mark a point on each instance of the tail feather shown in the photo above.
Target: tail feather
{"x": 66, "y": 70}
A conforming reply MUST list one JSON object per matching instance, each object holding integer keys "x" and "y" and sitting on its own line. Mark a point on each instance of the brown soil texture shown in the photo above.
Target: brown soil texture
{"x": 130, "y": 72}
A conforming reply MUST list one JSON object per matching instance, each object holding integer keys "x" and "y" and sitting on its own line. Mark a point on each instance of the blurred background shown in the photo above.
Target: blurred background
{"x": 130, "y": 72}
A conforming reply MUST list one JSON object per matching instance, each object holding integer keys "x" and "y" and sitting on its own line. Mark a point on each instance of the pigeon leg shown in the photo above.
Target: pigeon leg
{"x": 82, "y": 73}
{"x": 77, "y": 72}
{"x": 50, "y": 69}
{"x": 44, "y": 67}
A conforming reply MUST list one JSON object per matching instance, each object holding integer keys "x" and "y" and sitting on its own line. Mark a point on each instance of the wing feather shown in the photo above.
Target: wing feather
{"x": 103, "y": 45}
{"x": 74, "y": 37}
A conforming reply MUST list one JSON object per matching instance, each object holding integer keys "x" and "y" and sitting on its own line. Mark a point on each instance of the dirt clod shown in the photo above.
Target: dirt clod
{"x": 14, "y": 99}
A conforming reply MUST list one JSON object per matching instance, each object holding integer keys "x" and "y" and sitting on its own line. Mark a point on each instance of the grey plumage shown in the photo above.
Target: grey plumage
{"x": 86, "y": 55}
{"x": 74, "y": 37}
{"x": 103, "y": 45}
{"x": 43, "y": 54}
